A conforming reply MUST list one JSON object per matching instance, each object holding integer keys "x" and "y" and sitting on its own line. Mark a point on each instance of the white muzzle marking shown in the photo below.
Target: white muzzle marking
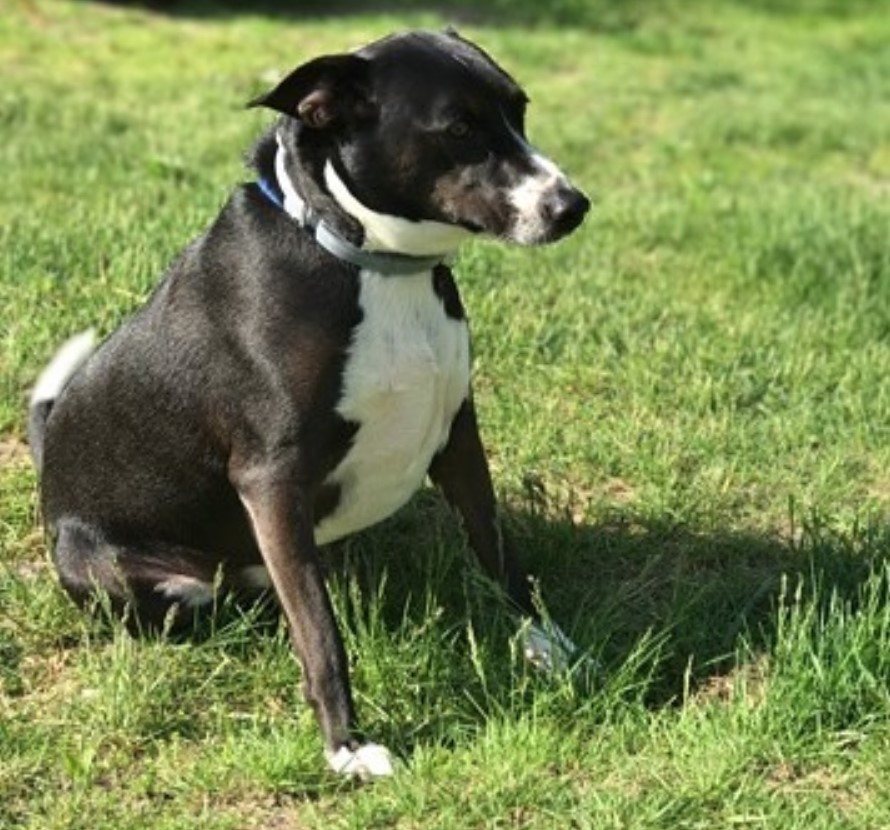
{"x": 528, "y": 197}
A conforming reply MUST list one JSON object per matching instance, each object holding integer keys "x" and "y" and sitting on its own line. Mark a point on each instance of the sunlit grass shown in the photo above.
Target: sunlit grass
{"x": 685, "y": 406}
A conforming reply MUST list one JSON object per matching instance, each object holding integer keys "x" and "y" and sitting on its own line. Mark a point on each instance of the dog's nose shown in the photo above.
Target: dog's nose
{"x": 565, "y": 209}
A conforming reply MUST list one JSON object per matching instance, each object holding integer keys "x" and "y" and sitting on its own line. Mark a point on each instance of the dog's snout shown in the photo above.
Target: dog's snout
{"x": 566, "y": 208}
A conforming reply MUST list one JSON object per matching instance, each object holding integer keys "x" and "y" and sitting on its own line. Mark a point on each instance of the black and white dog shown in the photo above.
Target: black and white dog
{"x": 304, "y": 364}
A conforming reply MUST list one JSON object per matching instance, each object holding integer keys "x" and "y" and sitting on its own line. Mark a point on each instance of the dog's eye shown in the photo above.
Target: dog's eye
{"x": 459, "y": 129}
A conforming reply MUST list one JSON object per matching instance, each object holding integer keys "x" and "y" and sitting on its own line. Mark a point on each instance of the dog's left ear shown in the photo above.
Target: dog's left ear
{"x": 326, "y": 91}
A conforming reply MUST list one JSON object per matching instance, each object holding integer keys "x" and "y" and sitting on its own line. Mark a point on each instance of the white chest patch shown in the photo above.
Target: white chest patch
{"x": 406, "y": 376}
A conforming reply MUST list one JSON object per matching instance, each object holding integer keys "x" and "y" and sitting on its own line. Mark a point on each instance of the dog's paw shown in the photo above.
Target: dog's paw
{"x": 366, "y": 762}
{"x": 546, "y": 647}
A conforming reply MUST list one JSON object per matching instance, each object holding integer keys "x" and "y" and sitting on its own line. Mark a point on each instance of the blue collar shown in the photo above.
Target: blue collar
{"x": 329, "y": 239}
{"x": 271, "y": 191}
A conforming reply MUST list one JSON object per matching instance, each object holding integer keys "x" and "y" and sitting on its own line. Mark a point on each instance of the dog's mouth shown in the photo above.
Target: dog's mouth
{"x": 548, "y": 225}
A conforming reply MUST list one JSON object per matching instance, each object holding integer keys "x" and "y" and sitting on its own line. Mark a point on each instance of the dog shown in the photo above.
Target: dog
{"x": 304, "y": 364}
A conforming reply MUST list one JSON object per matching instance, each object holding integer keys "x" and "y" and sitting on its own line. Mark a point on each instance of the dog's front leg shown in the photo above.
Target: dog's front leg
{"x": 461, "y": 471}
{"x": 281, "y": 516}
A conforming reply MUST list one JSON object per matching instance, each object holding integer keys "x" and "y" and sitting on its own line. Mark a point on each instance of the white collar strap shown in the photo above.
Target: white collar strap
{"x": 283, "y": 194}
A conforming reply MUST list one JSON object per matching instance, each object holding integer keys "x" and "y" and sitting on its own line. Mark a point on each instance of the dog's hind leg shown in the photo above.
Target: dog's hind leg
{"x": 151, "y": 587}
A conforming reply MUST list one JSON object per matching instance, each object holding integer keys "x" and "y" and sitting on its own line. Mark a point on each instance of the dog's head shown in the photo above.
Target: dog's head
{"x": 423, "y": 140}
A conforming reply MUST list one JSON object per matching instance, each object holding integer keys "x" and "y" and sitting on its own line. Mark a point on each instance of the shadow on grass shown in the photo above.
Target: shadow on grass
{"x": 601, "y": 15}
{"x": 608, "y": 584}
{"x": 703, "y": 596}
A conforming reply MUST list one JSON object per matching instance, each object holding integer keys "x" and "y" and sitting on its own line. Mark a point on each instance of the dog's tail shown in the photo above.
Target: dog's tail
{"x": 67, "y": 360}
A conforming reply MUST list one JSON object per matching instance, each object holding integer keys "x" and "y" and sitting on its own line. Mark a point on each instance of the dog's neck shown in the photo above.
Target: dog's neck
{"x": 393, "y": 234}
{"x": 350, "y": 230}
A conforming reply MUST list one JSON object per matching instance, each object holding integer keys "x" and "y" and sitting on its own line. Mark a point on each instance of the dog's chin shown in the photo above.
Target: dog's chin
{"x": 529, "y": 229}
{"x": 536, "y": 235}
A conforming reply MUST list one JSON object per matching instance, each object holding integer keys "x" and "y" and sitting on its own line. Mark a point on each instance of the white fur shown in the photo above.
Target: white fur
{"x": 394, "y": 234}
{"x": 547, "y": 647}
{"x": 72, "y": 354}
{"x": 528, "y": 197}
{"x": 294, "y": 204}
{"x": 368, "y": 761}
{"x": 189, "y": 590}
{"x": 255, "y": 577}
{"x": 407, "y": 373}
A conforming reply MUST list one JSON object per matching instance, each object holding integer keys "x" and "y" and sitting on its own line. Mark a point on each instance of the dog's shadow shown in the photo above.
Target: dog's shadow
{"x": 607, "y": 16}
{"x": 611, "y": 16}
{"x": 703, "y": 598}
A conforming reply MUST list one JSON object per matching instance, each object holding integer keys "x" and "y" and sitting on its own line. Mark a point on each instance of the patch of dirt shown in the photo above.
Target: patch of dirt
{"x": 13, "y": 451}
{"x": 848, "y": 794}
{"x": 879, "y": 491}
{"x": 262, "y": 812}
{"x": 748, "y": 682}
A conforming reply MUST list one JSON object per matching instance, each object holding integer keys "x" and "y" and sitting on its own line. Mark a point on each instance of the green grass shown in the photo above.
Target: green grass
{"x": 686, "y": 407}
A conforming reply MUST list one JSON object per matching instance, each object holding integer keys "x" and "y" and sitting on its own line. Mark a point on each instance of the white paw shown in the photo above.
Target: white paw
{"x": 366, "y": 762}
{"x": 546, "y": 646}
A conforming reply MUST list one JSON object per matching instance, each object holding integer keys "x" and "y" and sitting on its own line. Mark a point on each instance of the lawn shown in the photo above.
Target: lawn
{"x": 686, "y": 406}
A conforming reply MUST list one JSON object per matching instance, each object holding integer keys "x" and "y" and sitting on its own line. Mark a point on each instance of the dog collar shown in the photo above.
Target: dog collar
{"x": 281, "y": 193}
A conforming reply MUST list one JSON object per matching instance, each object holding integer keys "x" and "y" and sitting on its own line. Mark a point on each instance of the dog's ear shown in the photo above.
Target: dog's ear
{"x": 327, "y": 91}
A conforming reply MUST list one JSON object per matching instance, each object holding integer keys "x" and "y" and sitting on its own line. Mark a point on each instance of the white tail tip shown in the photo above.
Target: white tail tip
{"x": 65, "y": 362}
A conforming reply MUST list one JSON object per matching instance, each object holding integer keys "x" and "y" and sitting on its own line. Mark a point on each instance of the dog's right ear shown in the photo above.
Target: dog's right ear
{"x": 325, "y": 92}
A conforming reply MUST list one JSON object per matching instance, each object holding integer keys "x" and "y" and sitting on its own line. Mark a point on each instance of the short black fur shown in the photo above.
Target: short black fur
{"x": 199, "y": 440}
